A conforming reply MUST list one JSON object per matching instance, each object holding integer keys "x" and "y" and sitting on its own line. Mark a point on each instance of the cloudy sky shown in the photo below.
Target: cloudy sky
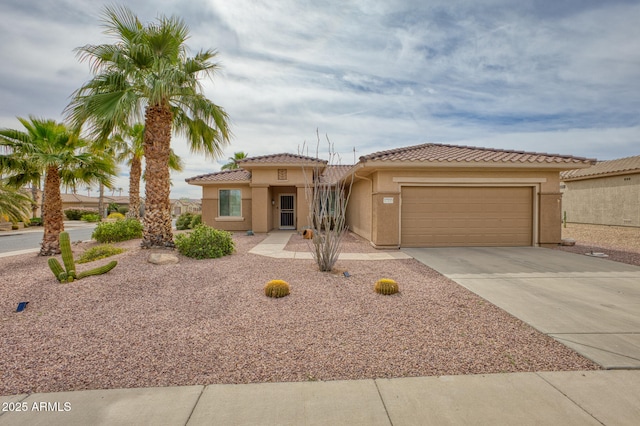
{"x": 557, "y": 76}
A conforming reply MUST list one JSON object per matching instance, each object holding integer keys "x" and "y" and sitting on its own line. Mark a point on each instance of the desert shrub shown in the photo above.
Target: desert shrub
{"x": 116, "y": 215}
{"x": 90, "y": 217}
{"x": 276, "y": 288}
{"x": 35, "y": 221}
{"x": 99, "y": 252}
{"x": 76, "y": 213}
{"x": 386, "y": 286}
{"x": 123, "y": 210}
{"x": 195, "y": 221}
{"x": 121, "y": 230}
{"x": 205, "y": 242}
{"x": 183, "y": 221}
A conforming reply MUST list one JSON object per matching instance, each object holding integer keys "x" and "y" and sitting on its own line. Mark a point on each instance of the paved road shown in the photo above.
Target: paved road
{"x": 590, "y": 304}
{"x": 30, "y": 238}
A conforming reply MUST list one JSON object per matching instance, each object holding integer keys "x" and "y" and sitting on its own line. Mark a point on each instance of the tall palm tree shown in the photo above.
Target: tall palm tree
{"x": 59, "y": 155}
{"x": 131, "y": 151}
{"x": 147, "y": 69}
{"x": 233, "y": 161}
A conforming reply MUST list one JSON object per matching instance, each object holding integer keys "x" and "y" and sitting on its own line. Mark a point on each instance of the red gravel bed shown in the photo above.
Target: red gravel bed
{"x": 208, "y": 321}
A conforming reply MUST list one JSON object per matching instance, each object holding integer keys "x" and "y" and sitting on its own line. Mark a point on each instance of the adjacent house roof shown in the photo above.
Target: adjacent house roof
{"x": 274, "y": 159}
{"x": 237, "y": 175}
{"x": 432, "y": 152}
{"x": 605, "y": 168}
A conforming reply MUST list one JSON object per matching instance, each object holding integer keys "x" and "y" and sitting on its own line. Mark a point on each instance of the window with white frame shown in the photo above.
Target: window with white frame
{"x": 230, "y": 202}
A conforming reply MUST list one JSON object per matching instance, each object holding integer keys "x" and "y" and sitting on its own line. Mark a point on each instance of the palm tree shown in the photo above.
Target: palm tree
{"x": 58, "y": 154}
{"x": 148, "y": 69}
{"x": 233, "y": 161}
{"x": 14, "y": 205}
{"x": 131, "y": 151}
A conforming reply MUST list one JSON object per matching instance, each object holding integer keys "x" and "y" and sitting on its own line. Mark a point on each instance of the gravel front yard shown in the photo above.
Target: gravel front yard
{"x": 208, "y": 321}
{"x": 620, "y": 243}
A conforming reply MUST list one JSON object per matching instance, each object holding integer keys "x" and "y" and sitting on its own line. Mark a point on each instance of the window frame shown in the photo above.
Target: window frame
{"x": 220, "y": 215}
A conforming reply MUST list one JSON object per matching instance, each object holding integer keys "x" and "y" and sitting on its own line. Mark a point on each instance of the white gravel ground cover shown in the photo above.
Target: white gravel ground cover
{"x": 208, "y": 321}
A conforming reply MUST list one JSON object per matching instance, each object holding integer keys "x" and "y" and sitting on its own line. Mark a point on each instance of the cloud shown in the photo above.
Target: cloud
{"x": 534, "y": 75}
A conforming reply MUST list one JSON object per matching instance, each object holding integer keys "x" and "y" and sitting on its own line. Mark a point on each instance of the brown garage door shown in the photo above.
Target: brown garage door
{"x": 466, "y": 216}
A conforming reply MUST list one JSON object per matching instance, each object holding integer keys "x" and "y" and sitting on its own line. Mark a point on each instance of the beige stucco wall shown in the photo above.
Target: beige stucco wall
{"x": 612, "y": 200}
{"x": 359, "y": 208}
{"x": 210, "y": 215}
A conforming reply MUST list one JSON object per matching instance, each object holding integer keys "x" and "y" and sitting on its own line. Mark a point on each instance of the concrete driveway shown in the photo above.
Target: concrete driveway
{"x": 590, "y": 304}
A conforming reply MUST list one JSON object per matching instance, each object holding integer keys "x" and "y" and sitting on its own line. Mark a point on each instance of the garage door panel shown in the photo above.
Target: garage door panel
{"x": 466, "y": 216}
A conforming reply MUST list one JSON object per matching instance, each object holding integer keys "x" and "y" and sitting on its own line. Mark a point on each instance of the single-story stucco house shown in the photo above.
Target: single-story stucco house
{"x": 430, "y": 195}
{"x": 607, "y": 193}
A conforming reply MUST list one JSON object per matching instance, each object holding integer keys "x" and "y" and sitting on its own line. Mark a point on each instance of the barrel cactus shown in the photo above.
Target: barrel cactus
{"x": 386, "y": 286}
{"x": 276, "y": 288}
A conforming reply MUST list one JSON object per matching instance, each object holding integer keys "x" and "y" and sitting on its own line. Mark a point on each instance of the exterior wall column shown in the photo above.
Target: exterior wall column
{"x": 550, "y": 226}
{"x": 386, "y": 219}
{"x": 302, "y": 208}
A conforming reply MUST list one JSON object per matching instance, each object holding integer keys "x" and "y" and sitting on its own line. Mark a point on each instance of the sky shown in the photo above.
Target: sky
{"x": 558, "y": 76}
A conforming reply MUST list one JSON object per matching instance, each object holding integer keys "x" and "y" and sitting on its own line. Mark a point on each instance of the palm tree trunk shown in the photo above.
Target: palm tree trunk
{"x": 101, "y": 201}
{"x": 134, "y": 188}
{"x": 157, "y": 146}
{"x": 52, "y": 215}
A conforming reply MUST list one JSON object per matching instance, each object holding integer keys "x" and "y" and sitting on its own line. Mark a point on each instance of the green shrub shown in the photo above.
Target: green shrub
{"x": 36, "y": 221}
{"x": 99, "y": 252}
{"x": 195, "y": 221}
{"x": 116, "y": 215}
{"x": 183, "y": 221}
{"x": 76, "y": 213}
{"x": 123, "y": 210}
{"x": 121, "y": 230}
{"x": 90, "y": 217}
{"x": 205, "y": 242}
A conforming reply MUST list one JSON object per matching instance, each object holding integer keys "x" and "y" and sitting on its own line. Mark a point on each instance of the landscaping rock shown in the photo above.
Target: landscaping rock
{"x": 162, "y": 258}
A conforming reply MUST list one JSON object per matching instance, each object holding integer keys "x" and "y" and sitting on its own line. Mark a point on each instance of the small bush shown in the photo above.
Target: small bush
{"x": 205, "y": 242}
{"x": 184, "y": 221}
{"x": 122, "y": 230}
{"x": 99, "y": 252}
{"x": 90, "y": 217}
{"x": 197, "y": 220}
{"x": 276, "y": 288}
{"x": 386, "y": 286}
{"x": 123, "y": 210}
{"x": 36, "y": 221}
{"x": 76, "y": 213}
{"x": 116, "y": 215}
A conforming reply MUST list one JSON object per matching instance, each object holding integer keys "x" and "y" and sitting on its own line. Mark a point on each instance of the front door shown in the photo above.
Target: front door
{"x": 287, "y": 211}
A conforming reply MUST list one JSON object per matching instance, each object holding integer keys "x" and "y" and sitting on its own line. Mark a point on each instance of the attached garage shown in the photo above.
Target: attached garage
{"x": 441, "y": 216}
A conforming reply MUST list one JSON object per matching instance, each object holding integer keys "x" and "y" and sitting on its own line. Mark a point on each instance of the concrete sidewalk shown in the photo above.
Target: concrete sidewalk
{"x": 273, "y": 246}
{"x": 545, "y": 398}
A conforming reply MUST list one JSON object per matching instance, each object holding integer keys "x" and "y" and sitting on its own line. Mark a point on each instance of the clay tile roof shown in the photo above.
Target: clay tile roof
{"x": 237, "y": 175}
{"x": 433, "y": 152}
{"x": 332, "y": 174}
{"x": 280, "y": 159}
{"x": 603, "y": 168}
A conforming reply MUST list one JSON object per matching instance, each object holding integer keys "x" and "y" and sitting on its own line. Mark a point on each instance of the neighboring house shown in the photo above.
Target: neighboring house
{"x": 185, "y": 205}
{"x": 607, "y": 193}
{"x": 424, "y": 195}
{"x": 70, "y": 201}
